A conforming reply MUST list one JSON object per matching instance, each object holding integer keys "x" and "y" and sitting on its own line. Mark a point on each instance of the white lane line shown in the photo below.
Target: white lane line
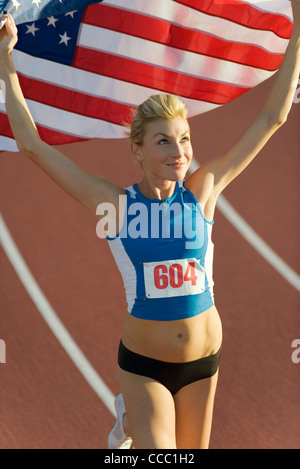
{"x": 53, "y": 320}
{"x": 254, "y": 239}
{"x": 258, "y": 243}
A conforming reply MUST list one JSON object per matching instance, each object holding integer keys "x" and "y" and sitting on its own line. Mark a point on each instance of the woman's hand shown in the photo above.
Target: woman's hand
{"x": 8, "y": 35}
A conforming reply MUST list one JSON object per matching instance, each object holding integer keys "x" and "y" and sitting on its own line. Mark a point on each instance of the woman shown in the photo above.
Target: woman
{"x": 170, "y": 349}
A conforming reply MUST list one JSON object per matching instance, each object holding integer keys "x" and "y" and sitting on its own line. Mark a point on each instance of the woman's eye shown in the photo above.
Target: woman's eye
{"x": 164, "y": 141}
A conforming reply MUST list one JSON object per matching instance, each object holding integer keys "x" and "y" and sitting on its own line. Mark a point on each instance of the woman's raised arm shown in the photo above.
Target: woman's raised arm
{"x": 211, "y": 179}
{"x": 87, "y": 189}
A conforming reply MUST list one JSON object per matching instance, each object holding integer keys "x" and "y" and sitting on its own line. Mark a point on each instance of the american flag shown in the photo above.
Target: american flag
{"x": 83, "y": 71}
{"x": 24, "y": 11}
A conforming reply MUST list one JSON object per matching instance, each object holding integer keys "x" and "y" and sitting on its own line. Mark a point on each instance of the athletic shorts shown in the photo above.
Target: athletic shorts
{"x": 174, "y": 376}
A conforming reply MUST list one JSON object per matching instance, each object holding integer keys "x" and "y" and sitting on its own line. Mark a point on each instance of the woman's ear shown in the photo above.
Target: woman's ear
{"x": 136, "y": 150}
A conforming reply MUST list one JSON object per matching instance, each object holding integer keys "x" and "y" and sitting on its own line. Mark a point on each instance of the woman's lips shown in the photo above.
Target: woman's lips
{"x": 176, "y": 165}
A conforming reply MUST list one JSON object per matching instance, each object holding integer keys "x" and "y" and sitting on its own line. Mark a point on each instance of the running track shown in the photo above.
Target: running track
{"x": 45, "y": 402}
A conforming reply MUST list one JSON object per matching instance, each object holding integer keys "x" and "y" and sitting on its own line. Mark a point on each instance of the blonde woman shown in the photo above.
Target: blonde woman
{"x": 171, "y": 343}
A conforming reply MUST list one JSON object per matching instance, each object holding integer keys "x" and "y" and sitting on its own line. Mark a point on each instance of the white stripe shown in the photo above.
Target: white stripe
{"x": 209, "y": 257}
{"x": 92, "y": 84}
{"x": 126, "y": 268}
{"x": 254, "y": 239}
{"x": 53, "y": 320}
{"x": 192, "y": 19}
{"x": 7, "y": 144}
{"x": 198, "y": 107}
{"x": 282, "y": 7}
{"x": 187, "y": 63}
{"x": 71, "y": 123}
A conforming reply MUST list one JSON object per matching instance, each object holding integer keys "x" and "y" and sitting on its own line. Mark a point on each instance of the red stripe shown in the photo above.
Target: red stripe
{"x": 50, "y": 136}
{"x": 172, "y": 35}
{"x": 73, "y": 101}
{"x": 244, "y": 14}
{"x": 5, "y": 126}
{"x": 155, "y": 77}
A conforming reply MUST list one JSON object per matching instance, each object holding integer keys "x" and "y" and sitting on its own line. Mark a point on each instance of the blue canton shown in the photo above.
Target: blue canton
{"x": 53, "y": 38}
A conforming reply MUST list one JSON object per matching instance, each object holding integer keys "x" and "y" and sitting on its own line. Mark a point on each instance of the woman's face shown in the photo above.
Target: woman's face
{"x": 166, "y": 151}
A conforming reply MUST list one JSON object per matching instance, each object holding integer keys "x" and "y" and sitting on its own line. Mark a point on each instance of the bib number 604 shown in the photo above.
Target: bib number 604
{"x": 178, "y": 277}
{"x": 174, "y": 275}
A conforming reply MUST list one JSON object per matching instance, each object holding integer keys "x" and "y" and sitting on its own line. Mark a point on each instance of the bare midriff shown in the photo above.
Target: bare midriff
{"x": 177, "y": 341}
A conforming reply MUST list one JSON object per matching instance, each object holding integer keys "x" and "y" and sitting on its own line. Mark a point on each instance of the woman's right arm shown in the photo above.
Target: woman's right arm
{"x": 87, "y": 189}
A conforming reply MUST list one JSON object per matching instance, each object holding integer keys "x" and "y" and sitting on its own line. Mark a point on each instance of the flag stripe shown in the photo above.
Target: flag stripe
{"x": 159, "y": 31}
{"x": 53, "y": 137}
{"x": 243, "y": 13}
{"x": 155, "y": 77}
{"x": 80, "y": 103}
{"x": 85, "y": 83}
{"x": 145, "y": 54}
{"x": 70, "y": 123}
{"x": 8, "y": 144}
{"x": 190, "y": 19}
{"x": 91, "y": 84}
{"x": 4, "y": 125}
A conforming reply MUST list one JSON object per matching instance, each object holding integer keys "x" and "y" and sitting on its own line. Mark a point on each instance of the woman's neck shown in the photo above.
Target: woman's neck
{"x": 157, "y": 190}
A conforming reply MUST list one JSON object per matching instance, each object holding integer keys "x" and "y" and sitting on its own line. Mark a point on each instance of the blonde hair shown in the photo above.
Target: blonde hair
{"x": 160, "y": 106}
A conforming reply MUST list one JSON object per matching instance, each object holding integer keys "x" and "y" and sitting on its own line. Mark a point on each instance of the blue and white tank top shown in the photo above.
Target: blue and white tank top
{"x": 164, "y": 252}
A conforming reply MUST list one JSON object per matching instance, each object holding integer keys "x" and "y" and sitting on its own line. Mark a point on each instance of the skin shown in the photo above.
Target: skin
{"x": 156, "y": 418}
{"x": 165, "y": 156}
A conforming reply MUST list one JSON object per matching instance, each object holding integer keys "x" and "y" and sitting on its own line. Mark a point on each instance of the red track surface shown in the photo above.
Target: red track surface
{"x": 44, "y": 400}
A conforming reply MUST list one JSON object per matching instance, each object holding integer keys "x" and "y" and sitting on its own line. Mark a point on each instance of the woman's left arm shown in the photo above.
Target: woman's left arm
{"x": 211, "y": 179}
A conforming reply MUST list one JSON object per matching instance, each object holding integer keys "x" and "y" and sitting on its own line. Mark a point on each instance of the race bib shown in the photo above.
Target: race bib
{"x": 174, "y": 278}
